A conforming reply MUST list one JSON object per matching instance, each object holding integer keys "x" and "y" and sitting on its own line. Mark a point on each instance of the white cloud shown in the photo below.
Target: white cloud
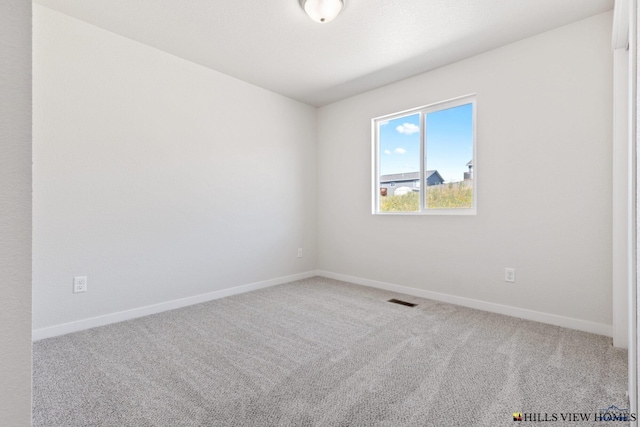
{"x": 408, "y": 128}
{"x": 400, "y": 150}
{"x": 387, "y": 152}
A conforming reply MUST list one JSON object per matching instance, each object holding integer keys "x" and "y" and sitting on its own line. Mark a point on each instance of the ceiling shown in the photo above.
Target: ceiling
{"x": 273, "y": 44}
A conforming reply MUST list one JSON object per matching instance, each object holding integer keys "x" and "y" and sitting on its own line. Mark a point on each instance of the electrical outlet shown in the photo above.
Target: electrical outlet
{"x": 510, "y": 275}
{"x": 80, "y": 284}
{"x": 299, "y": 252}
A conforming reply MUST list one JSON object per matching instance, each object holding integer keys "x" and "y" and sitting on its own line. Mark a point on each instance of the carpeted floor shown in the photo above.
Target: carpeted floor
{"x": 320, "y": 352}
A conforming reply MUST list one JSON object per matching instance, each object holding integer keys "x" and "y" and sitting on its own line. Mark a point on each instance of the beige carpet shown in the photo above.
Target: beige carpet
{"x": 320, "y": 352}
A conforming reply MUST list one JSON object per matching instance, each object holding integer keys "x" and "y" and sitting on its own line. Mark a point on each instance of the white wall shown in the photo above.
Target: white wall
{"x": 134, "y": 150}
{"x": 134, "y": 153}
{"x": 634, "y": 111}
{"x": 622, "y": 178}
{"x": 544, "y": 110}
{"x": 15, "y": 213}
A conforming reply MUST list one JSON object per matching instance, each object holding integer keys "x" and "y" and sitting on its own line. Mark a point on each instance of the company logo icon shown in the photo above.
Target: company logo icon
{"x": 517, "y": 416}
{"x": 613, "y": 413}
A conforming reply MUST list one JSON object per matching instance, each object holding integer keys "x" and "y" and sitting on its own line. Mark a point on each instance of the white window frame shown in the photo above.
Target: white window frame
{"x": 424, "y": 110}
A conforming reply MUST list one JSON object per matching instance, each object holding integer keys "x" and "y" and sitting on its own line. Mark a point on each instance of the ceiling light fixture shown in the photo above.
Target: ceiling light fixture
{"x": 322, "y": 11}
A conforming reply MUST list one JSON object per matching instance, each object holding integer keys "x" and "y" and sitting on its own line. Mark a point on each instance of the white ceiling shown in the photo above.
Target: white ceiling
{"x": 273, "y": 44}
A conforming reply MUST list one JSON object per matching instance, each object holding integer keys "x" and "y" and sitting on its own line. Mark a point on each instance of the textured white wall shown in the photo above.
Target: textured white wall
{"x": 158, "y": 178}
{"x": 544, "y": 110}
{"x": 15, "y": 213}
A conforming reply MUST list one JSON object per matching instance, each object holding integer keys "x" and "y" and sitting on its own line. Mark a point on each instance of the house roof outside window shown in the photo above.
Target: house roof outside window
{"x": 409, "y": 176}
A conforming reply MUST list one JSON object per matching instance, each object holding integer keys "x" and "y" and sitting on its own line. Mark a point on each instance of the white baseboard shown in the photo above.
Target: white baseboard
{"x": 121, "y": 316}
{"x": 107, "y": 319}
{"x": 537, "y": 316}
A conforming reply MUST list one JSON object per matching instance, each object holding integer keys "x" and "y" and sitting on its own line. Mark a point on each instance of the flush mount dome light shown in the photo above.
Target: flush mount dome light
{"x": 322, "y": 11}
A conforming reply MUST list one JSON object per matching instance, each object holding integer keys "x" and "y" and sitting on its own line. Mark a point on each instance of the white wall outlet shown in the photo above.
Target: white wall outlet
{"x": 299, "y": 252}
{"x": 510, "y": 275}
{"x": 80, "y": 284}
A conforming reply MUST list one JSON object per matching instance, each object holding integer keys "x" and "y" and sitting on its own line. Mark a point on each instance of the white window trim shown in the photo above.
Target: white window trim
{"x": 424, "y": 110}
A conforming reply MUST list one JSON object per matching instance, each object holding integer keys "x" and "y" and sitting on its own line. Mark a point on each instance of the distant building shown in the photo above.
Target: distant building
{"x": 469, "y": 175}
{"x": 434, "y": 178}
{"x": 411, "y": 180}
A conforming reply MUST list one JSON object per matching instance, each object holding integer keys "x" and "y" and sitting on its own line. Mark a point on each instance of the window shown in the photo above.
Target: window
{"x": 425, "y": 160}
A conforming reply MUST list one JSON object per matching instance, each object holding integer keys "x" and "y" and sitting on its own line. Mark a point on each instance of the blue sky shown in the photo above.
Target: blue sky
{"x": 449, "y": 143}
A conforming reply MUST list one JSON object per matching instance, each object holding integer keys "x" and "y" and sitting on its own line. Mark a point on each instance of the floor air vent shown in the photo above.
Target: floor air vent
{"x": 397, "y": 301}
